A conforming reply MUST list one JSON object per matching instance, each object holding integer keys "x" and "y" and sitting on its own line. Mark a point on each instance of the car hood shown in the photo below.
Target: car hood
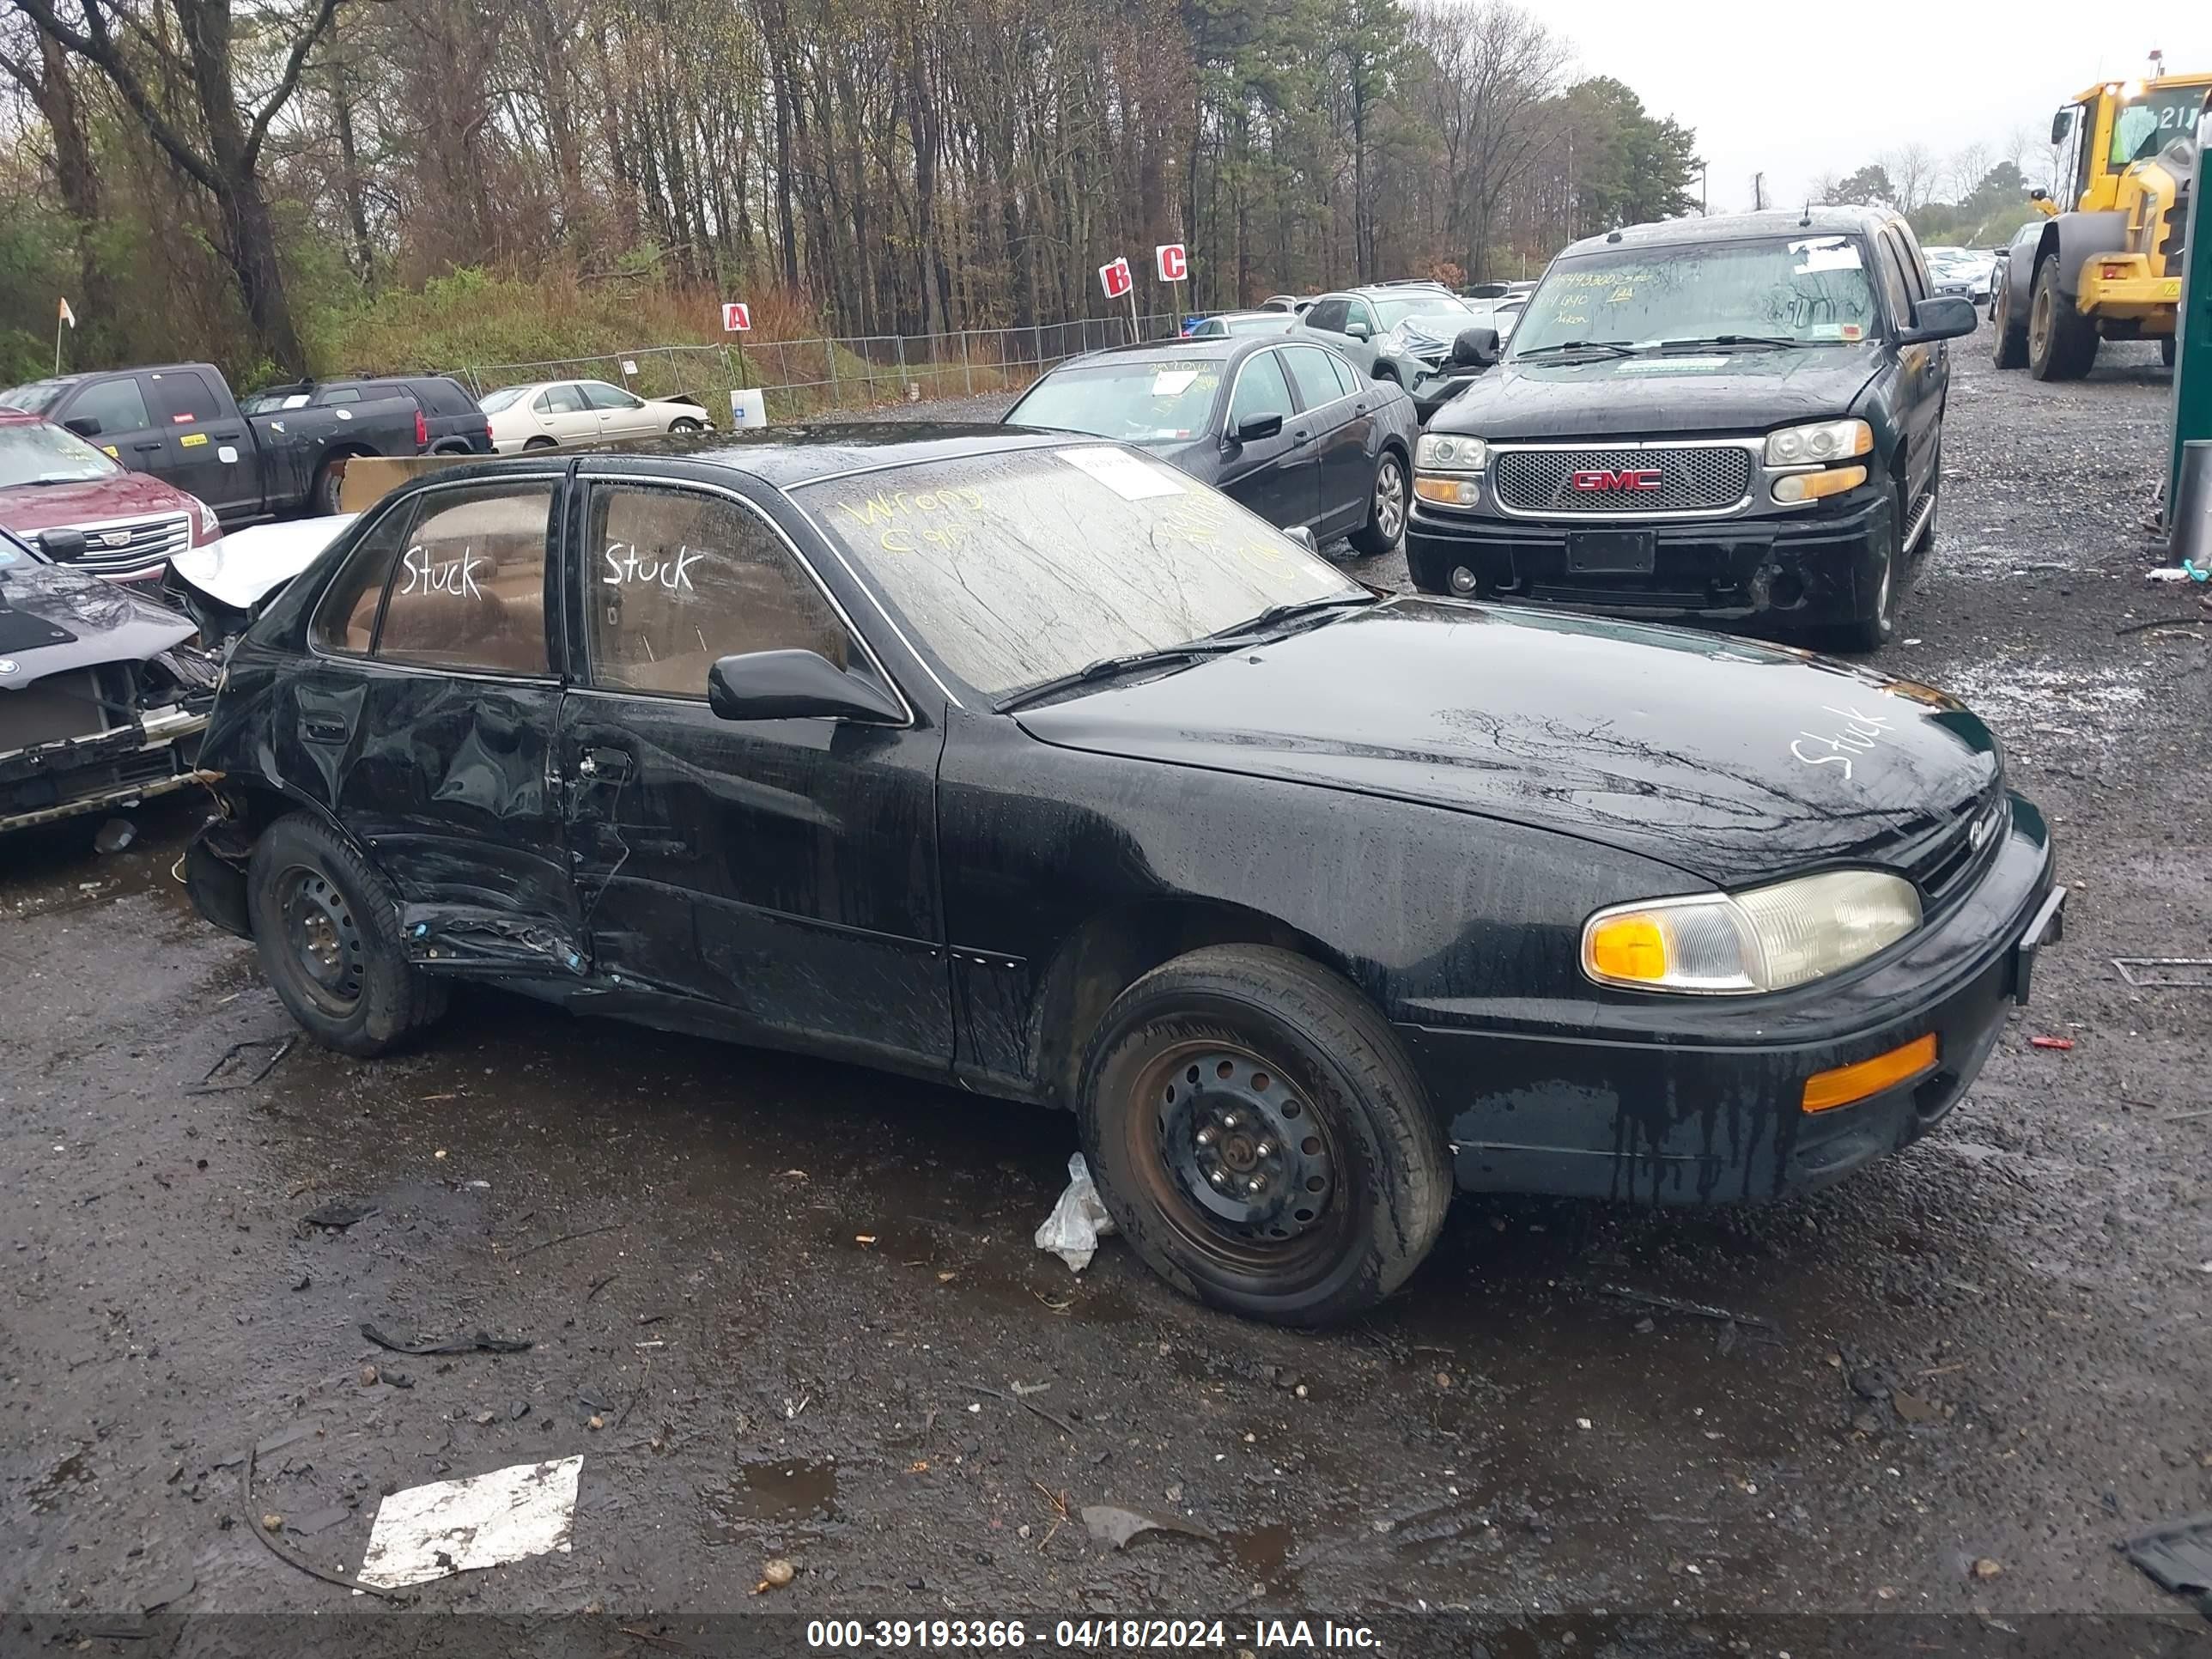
{"x": 245, "y": 566}
{"x": 28, "y": 509}
{"x": 1732, "y": 761}
{"x": 53, "y": 619}
{"x": 1674, "y": 395}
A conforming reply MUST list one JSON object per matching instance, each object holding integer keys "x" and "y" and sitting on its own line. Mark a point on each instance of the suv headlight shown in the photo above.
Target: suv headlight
{"x": 1441, "y": 451}
{"x": 210, "y": 525}
{"x": 1823, "y": 440}
{"x": 1768, "y": 939}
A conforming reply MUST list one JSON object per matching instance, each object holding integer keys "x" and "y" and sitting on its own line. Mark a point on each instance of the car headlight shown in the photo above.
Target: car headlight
{"x": 210, "y": 525}
{"x": 1823, "y": 440}
{"x": 1768, "y": 939}
{"x": 1442, "y": 451}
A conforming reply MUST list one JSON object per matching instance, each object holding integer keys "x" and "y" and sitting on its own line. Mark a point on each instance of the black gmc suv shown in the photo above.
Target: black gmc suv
{"x": 1724, "y": 420}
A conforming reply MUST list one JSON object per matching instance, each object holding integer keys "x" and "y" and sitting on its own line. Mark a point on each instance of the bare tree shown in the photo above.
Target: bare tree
{"x": 216, "y": 135}
{"x": 1826, "y": 190}
{"x": 1494, "y": 64}
{"x": 1912, "y": 171}
{"x": 1969, "y": 165}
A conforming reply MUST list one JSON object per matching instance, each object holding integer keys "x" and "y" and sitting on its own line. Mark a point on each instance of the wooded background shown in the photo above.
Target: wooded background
{"x": 370, "y": 184}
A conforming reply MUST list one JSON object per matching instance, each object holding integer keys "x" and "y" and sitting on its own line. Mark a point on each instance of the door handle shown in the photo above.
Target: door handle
{"x": 1300, "y": 439}
{"x": 324, "y": 731}
{"x": 612, "y": 765}
{"x": 151, "y": 443}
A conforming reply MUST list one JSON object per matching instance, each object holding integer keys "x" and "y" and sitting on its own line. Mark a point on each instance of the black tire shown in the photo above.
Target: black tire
{"x": 684, "y": 425}
{"x": 1290, "y": 1047}
{"x": 2062, "y": 343}
{"x": 2008, "y": 336}
{"x": 1387, "y": 374}
{"x": 2166, "y": 350}
{"x": 323, "y": 494}
{"x": 311, "y": 898}
{"x": 1386, "y": 513}
{"x": 1872, "y": 632}
{"x": 540, "y": 442}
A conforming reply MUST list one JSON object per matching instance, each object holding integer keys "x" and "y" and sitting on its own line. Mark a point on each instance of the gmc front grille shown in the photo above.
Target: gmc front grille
{"x": 1693, "y": 478}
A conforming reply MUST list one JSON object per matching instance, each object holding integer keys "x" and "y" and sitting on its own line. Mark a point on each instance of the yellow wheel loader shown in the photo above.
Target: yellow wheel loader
{"x": 2108, "y": 266}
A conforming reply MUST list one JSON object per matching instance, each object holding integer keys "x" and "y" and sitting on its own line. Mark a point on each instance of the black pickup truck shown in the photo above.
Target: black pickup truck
{"x": 180, "y": 422}
{"x": 1728, "y": 420}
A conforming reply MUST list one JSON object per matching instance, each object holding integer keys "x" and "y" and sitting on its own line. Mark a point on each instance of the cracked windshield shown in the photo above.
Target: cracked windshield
{"x": 1021, "y": 566}
{"x": 1808, "y": 290}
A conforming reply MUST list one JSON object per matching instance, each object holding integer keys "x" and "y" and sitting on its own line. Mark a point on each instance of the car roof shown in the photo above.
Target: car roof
{"x": 1738, "y": 228}
{"x": 1212, "y": 347}
{"x": 787, "y": 457}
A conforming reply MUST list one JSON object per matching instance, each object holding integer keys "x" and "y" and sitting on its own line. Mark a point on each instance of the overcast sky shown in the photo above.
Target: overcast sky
{"x": 1799, "y": 90}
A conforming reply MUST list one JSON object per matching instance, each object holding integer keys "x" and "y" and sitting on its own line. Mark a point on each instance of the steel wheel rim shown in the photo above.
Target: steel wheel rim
{"x": 1390, "y": 499}
{"x": 2039, "y": 318}
{"x": 1210, "y": 1117}
{"x": 323, "y": 937}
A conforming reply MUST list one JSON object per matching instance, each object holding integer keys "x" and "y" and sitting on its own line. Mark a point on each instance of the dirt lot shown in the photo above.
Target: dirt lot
{"x": 799, "y": 1299}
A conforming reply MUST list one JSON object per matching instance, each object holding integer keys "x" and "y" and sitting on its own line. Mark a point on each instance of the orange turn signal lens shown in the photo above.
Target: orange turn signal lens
{"x": 1825, "y": 1091}
{"x": 1450, "y": 492}
{"x": 1628, "y": 947}
{"x": 1812, "y": 486}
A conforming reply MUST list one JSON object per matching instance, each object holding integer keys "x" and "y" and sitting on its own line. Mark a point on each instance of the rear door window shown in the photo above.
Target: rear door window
{"x": 469, "y": 590}
{"x": 345, "y": 620}
{"x": 563, "y": 399}
{"x": 182, "y": 397}
{"x": 1316, "y": 382}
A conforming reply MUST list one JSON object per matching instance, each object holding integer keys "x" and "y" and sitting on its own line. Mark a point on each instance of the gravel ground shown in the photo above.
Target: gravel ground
{"x": 797, "y": 1298}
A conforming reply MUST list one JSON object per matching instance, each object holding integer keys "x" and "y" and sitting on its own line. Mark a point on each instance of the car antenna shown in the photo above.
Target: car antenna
{"x": 1808, "y": 218}
{"x": 1613, "y": 235}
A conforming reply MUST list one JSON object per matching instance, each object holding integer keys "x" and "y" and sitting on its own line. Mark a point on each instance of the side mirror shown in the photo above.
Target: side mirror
{"x": 2061, "y": 124}
{"x": 1475, "y": 347}
{"x": 85, "y": 426}
{"x": 2039, "y": 194}
{"x": 1943, "y": 318}
{"x": 1358, "y": 331}
{"x": 1305, "y": 537}
{"x": 63, "y": 546}
{"x": 1254, "y": 427}
{"x": 790, "y": 685}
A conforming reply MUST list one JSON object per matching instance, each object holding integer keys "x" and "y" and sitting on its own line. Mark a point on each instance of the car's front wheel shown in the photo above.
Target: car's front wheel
{"x": 2062, "y": 343}
{"x": 684, "y": 425}
{"x": 327, "y": 930}
{"x": 1386, "y": 507}
{"x": 1876, "y": 629}
{"x": 1260, "y": 1138}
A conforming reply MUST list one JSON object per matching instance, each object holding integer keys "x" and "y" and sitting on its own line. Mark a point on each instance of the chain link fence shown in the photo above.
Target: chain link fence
{"x": 802, "y": 379}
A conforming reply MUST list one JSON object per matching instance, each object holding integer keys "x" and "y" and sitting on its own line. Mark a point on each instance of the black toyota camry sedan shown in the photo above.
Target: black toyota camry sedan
{"x": 1287, "y": 427}
{"x": 1030, "y": 764}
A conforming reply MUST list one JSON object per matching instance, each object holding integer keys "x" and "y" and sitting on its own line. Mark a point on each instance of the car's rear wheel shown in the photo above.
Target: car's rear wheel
{"x": 1260, "y": 1138}
{"x": 1386, "y": 507}
{"x": 2008, "y": 332}
{"x": 537, "y": 443}
{"x": 330, "y": 483}
{"x": 327, "y": 930}
{"x": 2062, "y": 343}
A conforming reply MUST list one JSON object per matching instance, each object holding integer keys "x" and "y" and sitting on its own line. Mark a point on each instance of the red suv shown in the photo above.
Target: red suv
{"x": 76, "y": 504}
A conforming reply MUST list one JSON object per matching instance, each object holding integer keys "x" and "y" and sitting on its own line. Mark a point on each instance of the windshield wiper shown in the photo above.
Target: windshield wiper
{"x": 1618, "y": 347}
{"x": 1776, "y": 340}
{"x": 1107, "y": 668}
{"x": 1283, "y": 613}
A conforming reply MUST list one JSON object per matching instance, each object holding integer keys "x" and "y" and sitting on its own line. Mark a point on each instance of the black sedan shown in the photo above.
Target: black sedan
{"x": 1032, "y": 765}
{"x": 1289, "y": 428}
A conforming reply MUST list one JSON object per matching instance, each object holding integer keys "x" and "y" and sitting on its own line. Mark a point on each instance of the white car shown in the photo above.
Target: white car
{"x": 549, "y": 414}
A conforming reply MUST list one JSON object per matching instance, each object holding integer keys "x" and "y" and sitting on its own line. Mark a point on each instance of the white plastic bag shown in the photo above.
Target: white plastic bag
{"x": 1077, "y": 1222}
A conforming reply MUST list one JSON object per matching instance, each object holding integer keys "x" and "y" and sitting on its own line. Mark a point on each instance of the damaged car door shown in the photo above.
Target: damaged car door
{"x": 778, "y": 873}
{"x": 424, "y": 717}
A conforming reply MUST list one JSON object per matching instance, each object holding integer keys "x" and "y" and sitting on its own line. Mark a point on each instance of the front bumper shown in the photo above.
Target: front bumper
{"x": 120, "y": 768}
{"x": 2138, "y": 295}
{"x": 1807, "y": 569}
{"x": 1698, "y": 1100}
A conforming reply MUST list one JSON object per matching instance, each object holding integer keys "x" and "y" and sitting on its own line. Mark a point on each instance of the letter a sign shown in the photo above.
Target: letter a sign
{"x": 736, "y": 317}
{"x": 1173, "y": 266}
{"x": 1114, "y": 279}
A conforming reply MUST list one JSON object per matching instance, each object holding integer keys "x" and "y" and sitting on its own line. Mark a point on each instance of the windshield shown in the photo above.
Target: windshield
{"x": 1269, "y": 322}
{"x": 492, "y": 403}
{"x": 2143, "y": 128}
{"x": 43, "y": 453}
{"x": 1391, "y": 313}
{"x": 35, "y": 398}
{"x": 1018, "y": 567}
{"x": 1809, "y": 289}
{"x": 1164, "y": 401}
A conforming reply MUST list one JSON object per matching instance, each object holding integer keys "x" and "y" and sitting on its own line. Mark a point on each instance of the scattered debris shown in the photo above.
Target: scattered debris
{"x": 369, "y": 1377}
{"x": 2178, "y": 1556}
{"x": 288, "y": 1437}
{"x": 1915, "y": 1408}
{"x": 775, "y": 1575}
{"x": 1985, "y": 1568}
{"x": 457, "y": 1525}
{"x": 2058, "y": 1042}
{"x": 273, "y": 1523}
{"x": 2176, "y": 973}
{"x": 1025, "y": 1389}
{"x": 1078, "y": 1221}
{"x": 1065, "y": 1428}
{"x": 338, "y": 1214}
{"x": 301, "y": 1282}
{"x": 1702, "y": 1311}
{"x": 482, "y": 1342}
{"x": 1110, "y": 1524}
{"x": 114, "y": 835}
{"x": 208, "y": 1085}
{"x": 321, "y": 1521}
